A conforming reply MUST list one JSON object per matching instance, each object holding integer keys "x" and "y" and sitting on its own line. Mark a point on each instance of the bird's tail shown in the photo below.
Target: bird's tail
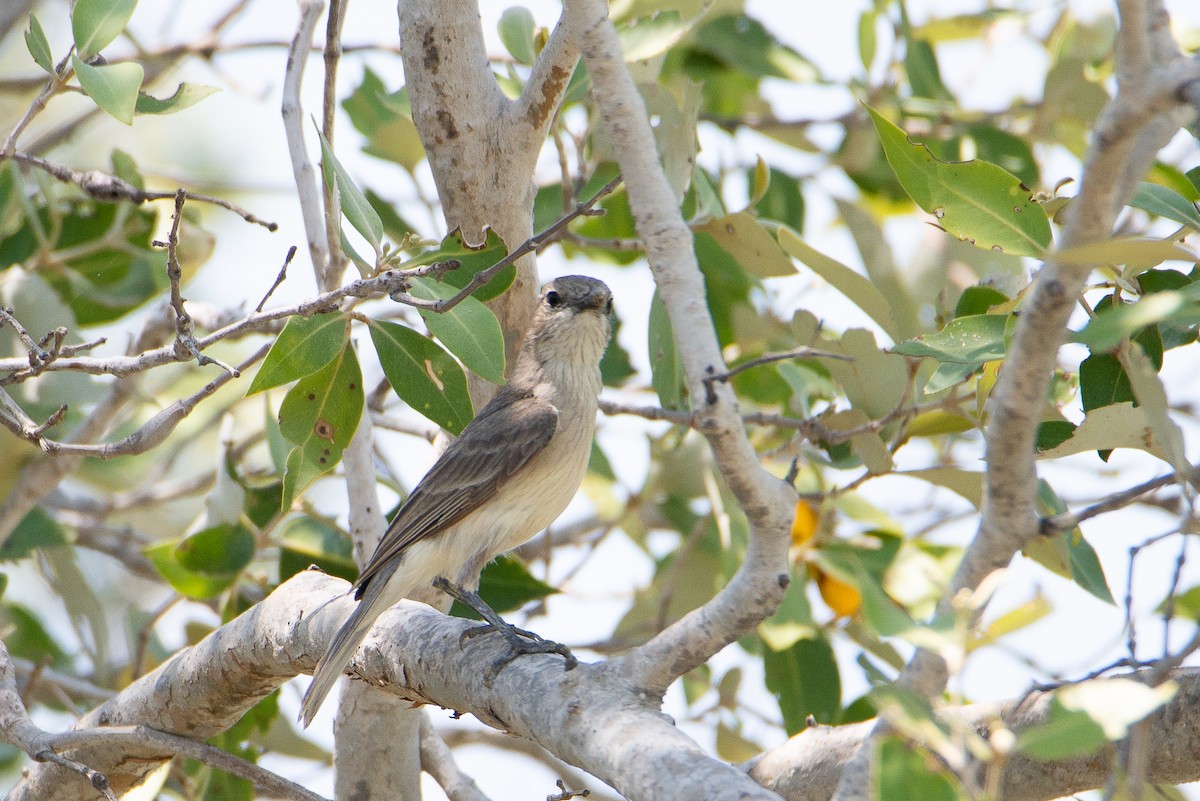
{"x": 344, "y": 644}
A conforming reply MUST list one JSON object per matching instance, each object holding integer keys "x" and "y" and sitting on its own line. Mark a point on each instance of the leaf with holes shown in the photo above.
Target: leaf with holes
{"x": 319, "y": 416}
{"x": 975, "y": 201}
{"x": 185, "y": 96}
{"x": 974, "y": 339}
{"x": 471, "y": 260}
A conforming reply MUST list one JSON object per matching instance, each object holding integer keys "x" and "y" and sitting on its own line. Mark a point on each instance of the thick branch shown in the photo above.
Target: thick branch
{"x": 590, "y": 716}
{"x": 808, "y": 766}
{"x": 1140, "y": 120}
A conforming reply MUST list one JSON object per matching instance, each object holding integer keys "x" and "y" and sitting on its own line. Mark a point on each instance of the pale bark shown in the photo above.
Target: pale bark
{"x": 592, "y": 717}
{"x": 757, "y": 588}
{"x": 1151, "y": 104}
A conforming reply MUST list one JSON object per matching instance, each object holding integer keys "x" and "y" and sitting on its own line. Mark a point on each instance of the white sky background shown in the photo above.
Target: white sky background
{"x": 982, "y": 76}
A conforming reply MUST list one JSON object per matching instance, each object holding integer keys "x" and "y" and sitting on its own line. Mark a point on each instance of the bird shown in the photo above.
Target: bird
{"x": 511, "y": 472}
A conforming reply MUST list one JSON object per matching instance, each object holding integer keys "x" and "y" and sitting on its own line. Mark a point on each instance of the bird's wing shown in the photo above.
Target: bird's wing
{"x": 498, "y": 443}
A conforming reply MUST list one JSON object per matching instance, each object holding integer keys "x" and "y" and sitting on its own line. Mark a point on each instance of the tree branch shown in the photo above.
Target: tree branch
{"x": 757, "y": 588}
{"x": 808, "y": 766}
{"x": 1142, "y": 117}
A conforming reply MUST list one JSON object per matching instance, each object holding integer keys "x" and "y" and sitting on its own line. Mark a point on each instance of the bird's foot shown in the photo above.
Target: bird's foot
{"x": 519, "y": 640}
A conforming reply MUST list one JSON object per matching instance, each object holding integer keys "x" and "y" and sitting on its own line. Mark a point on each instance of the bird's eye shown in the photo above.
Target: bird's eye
{"x": 553, "y": 299}
{"x": 608, "y": 307}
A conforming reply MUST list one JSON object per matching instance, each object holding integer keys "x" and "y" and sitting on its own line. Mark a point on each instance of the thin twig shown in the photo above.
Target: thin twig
{"x": 392, "y": 283}
{"x": 804, "y": 352}
{"x": 292, "y": 111}
{"x": 528, "y": 246}
{"x": 93, "y": 777}
{"x": 149, "y": 435}
{"x": 111, "y": 189}
{"x": 147, "y": 739}
{"x": 1067, "y": 521}
{"x": 330, "y": 276}
{"x": 279, "y": 279}
{"x": 607, "y": 243}
{"x": 185, "y": 327}
{"x": 54, "y": 85}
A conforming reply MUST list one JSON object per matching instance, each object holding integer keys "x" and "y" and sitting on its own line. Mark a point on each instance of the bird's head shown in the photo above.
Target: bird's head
{"x": 571, "y": 320}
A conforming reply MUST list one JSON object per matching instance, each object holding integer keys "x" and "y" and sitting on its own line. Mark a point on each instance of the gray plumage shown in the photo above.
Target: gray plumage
{"x": 513, "y": 470}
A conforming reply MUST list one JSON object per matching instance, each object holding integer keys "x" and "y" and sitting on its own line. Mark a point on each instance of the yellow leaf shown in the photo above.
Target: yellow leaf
{"x": 844, "y": 599}
{"x": 804, "y": 523}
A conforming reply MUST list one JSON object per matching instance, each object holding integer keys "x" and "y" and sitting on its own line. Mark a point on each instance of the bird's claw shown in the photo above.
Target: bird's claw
{"x": 520, "y": 641}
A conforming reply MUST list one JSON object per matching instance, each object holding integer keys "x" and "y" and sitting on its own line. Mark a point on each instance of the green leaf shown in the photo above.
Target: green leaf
{"x": 974, "y": 339}
{"x": 746, "y": 45}
{"x": 975, "y": 201}
{"x": 1065, "y": 734}
{"x": 472, "y": 259}
{"x": 37, "y": 529}
{"x": 872, "y": 379}
{"x": 112, "y": 268}
{"x": 615, "y": 364}
{"x": 469, "y": 330}
{"x": 1052, "y": 433}
{"x": 666, "y": 370}
{"x": 1113, "y": 324}
{"x": 924, "y": 76}
{"x": 186, "y": 94}
{"x": 222, "y": 549}
{"x": 1134, "y": 251}
{"x": 516, "y": 33}
{"x": 867, "y": 38}
{"x": 189, "y": 582}
{"x": 744, "y": 237}
{"x": 1009, "y": 152}
{"x": 506, "y": 584}
{"x": 424, "y": 375}
{"x": 1102, "y": 382}
{"x": 95, "y": 23}
{"x": 385, "y": 119}
{"x": 395, "y": 226}
{"x": 307, "y": 540}
{"x": 781, "y": 200}
{"x": 1186, "y": 604}
{"x": 114, "y": 87}
{"x": 857, "y": 288}
{"x": 650, "y": 36}
{"x": 1068, "y": 553}
{"x": 26, "y": 637}
{"x": 319, "y": 416}
{"x": 805, "y": 681}
{"x": 1166, "y": 203}
{"x": 1117, "y": 703}
{"x": 305, "y": 345}
{"x": 39, "y": 46}
{"x": 903, "y": 774}
{"x": 352, "y": 202}
{"x": 263, "y": 502}
{"x": 978, "y": 300}
{"x": 1085, "y": 566}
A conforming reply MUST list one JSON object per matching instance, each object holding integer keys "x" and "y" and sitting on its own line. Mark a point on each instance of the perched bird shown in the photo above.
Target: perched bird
{"x": 513, "y": 470}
